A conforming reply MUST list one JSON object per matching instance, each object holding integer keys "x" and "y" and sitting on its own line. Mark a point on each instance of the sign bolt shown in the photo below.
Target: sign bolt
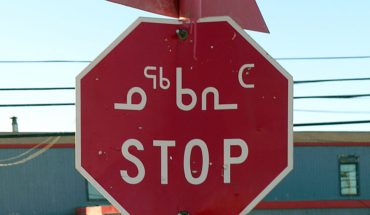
{"x": 182, "y": 34}
{"x": 183, "y": 213}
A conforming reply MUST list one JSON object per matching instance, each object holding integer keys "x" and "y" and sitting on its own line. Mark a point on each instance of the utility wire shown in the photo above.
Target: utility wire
{"x": 36, "y": 88}
{"x": 295, "y": 125}
{"x": 331, "y": 111}
{"x": 324, "y": 58}
{"x": 331, "y": 123}
{"x": 28, "y": 156}
{"x": 333, "y": 96}
{"x": 37, "y": 105}
{"x": 72, "y": 104}
{"x": 296, "y": 97}
{"x": 44, "y": 61}
{"x": 331, "y": 80}
{"x": 36, "y": 134}
{"x": 26, "y": 152}
{"x": 73, "y": 88}
{"x": 278, "y": 58}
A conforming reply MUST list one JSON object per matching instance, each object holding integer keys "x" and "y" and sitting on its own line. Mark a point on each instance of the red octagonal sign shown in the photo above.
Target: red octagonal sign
{"x": 183, "y": 118}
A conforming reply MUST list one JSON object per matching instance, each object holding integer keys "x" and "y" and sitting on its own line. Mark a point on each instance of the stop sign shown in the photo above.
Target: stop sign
{"x": 183, "y": 118}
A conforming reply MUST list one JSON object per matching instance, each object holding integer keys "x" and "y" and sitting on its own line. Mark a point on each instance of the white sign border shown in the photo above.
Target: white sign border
{"x": 78, "y": 164}
{"x": 121, "y": 37}
{"x": 289, "y": 168}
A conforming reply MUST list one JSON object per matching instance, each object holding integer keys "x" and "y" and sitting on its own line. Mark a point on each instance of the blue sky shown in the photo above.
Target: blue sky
{"x": 81, "y": 29}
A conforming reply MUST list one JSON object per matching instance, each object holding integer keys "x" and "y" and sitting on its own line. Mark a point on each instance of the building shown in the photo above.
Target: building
{"x": 331, "y": 176}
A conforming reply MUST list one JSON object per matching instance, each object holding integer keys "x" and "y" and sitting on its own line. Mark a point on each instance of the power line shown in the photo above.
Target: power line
{"x": 37, "y": 105}
{"x": 73, "y": 88}
{"x": 331, "y": 80}
{"x": 325, "y": 58}
{"x": 296, "y": 97}
{"x": 331, "y": 123}
{"x": 44, "y": 61}
{"x": 333, "y": 96}
{"x": 332, "y": 111}
{"x": 72, "y": 104}
{"x": 28, "y": 156}
{"x": 278, "y": 58}
{"x": 36, "y": 134}
{"x": 36, "y": 88}
{"x": 295, "y": 125}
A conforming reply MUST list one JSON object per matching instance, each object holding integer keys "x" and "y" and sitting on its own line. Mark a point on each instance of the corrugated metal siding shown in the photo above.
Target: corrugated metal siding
{"x": 315, "y": 175}
{"x": 49, "y": 184}
{"x": 312, "y": 212}
{"x": 46, "y": 185}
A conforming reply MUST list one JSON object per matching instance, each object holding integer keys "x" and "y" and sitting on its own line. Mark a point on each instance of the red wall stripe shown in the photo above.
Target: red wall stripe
{"x": 314, "y": 204}
{"x": 326, "y": 144}
{"x": 265, "y": 205}
{"x": 298, "y": 144}
{"x": 32, "y": 145}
